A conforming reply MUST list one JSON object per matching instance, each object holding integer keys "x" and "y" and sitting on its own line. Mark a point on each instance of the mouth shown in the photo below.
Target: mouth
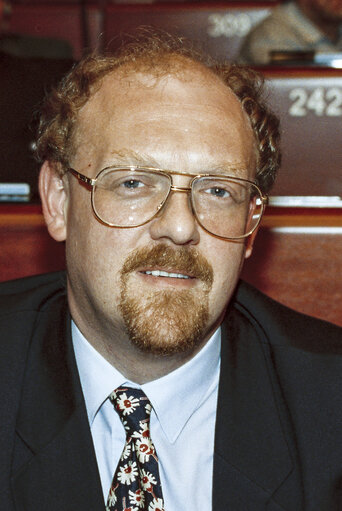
{"x": 162, "y": 273}
{"x": 166, "y": 278}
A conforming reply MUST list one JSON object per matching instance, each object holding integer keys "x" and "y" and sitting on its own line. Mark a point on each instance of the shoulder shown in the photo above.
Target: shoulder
{"x": 30, "y": 293}
{"x": 302, "y": 356}
{"x": 282, "y": 326}
{"x": 26, "y": 305}
{"x": 30, "y": 308}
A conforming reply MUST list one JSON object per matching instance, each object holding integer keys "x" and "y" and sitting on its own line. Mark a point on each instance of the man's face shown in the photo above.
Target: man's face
{"x": 193, "y": 126}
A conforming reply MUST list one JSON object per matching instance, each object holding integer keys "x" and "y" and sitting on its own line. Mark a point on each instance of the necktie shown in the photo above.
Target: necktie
{"x": 136, "y": 482}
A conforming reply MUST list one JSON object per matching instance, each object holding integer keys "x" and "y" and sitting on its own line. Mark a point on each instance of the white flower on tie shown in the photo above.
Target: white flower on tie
{"x": 127, "y": 405}
{"x": 111, "y": 497}
{"x": 128, "y": 473}
{"x": 156, "y": 505}
{"x": 144, "y": 449}
{"x": 147, "y": 480}
{"x": 143, "y": 434}
{"x": 125, "y": 425}
{"x": 144, "y": 430}
{"x": 126, "y": 452}
{"x": 137, "y": 497}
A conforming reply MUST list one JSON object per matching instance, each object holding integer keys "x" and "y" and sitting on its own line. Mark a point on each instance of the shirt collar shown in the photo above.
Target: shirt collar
{"x": 174, "y": 397}
{"x": 177, "y": 395}
{"x": 98, "y": 377}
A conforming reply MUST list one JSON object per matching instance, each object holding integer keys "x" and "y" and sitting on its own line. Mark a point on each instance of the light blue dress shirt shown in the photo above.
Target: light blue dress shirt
{"x": 182, "y": 421}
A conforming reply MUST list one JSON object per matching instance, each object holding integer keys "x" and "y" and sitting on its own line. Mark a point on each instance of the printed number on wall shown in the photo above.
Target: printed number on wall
{"x": 320, "y": 101}
{"x": 229, "y": 25}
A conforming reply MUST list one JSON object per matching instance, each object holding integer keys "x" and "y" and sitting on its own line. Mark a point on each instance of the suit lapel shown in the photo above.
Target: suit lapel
{"x": 253, "y": 457}
{"x": 54, "y": 460}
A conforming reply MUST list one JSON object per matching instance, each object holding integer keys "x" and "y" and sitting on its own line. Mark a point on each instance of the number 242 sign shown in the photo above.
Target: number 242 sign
{"x": 320, "y": 101}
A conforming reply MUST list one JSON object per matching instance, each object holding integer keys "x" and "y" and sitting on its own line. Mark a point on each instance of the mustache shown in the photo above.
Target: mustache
{"x": 183, "y": 259}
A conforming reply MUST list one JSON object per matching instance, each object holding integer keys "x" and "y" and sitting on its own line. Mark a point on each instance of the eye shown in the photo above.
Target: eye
{"x": 218, "y": 192}
{"x": 132, "y": 184}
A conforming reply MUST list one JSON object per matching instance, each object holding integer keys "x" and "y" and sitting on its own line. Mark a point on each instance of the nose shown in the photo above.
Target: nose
{"x": 176, "y": 221}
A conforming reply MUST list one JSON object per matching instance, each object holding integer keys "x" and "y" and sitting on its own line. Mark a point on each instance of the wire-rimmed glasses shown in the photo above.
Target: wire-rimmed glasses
{"x": 227, "y": 207}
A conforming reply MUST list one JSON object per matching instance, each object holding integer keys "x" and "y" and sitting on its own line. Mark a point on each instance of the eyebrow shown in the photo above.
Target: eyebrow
{"x": 130, "y": 157}
{"x": 227, "y": 169}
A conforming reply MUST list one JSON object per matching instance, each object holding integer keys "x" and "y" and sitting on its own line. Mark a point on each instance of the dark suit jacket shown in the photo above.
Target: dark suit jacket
{"x": 278, "y": 442}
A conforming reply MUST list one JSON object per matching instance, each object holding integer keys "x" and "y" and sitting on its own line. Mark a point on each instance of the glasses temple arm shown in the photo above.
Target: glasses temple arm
{"x": 82, "y": 177}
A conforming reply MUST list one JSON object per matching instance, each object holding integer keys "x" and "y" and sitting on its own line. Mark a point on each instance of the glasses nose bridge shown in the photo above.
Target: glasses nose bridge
{"x": 182, "y": 189}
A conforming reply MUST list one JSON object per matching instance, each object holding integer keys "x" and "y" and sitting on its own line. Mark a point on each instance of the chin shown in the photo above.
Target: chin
{"x": 167, "y": 322}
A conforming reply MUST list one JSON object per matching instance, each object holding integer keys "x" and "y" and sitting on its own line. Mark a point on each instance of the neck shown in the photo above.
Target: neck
{"x": 141, "y": 367}
{"x": 133, "y": 363}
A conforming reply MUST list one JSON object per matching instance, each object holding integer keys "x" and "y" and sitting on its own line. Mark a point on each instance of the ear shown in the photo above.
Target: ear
{"x": 250, "y": 243}
{"x": 250, "y": 240}
{"x": 53, "y": 195}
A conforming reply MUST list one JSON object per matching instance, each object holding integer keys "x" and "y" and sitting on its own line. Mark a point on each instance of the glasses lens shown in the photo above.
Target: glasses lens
{"x": 227, "y": 207}
{"x": 127, "y": 198}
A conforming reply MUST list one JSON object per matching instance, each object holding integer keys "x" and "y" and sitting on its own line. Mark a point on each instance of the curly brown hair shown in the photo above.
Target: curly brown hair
{"x": 158, "y": 55}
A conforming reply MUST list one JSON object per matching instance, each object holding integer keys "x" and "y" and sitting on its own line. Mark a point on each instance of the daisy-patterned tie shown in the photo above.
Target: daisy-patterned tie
{"x": 136, "y": 483}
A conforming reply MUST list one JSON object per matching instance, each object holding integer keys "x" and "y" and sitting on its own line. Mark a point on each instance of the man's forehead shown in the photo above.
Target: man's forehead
{"x": 150, "y": 72}
{"x": 134, "y": 109}
{"x": 196, "y": 84}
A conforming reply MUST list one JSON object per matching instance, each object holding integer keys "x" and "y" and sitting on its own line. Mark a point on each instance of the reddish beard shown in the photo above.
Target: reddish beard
{"x": 166, "y": 321}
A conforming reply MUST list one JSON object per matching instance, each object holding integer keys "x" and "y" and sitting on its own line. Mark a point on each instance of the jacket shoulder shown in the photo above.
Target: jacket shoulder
{"x": 30, "y": 293}
{"x": 284, "y": 326}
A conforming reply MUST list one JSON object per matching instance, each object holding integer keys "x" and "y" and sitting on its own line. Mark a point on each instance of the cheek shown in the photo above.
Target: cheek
{"x": 227, "y": 265}
{"x": 80, "y": 224}
{"x": 94, "y": 261}
{"x": 86, "y": 237}
{"x": 96, "y": 250}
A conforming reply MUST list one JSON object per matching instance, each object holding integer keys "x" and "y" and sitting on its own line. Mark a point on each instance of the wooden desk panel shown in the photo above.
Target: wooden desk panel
{"x": 297, "y": 260}
{"x": 297, "y": 257}
{"x": 26, "y": 248}
{"x": 300, "y": 269}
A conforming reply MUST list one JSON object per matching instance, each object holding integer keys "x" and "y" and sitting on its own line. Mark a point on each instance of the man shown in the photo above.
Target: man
{"x": 154, "y": 174}
{"x": 300, "y": 25}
